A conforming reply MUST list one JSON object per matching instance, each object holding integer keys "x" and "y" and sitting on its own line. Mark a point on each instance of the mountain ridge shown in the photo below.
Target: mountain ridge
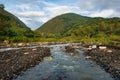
{"x": 10, "y": 25}
{"x": 63, "y": 23}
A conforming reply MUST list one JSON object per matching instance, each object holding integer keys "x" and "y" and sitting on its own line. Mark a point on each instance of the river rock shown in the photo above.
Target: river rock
{"x": 109, "y": 51}
{"x": 94, "y": 46}
{"x": 48, "y": 58}
{"x": 20, "y": 44}
{"x": 88, "y": 57}
{"x": 26, "y": 53}
{"x": 34, "y": 49}
{"x": 102, "y": 47}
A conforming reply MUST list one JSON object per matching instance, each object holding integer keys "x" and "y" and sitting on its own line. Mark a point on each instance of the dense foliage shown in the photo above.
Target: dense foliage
{"x": 83, "y": 28}
{"x": 11, "y": 26}
{"x": 66, "y": 27}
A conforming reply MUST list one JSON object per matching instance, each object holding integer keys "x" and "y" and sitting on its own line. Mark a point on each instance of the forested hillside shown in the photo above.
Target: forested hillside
{"x": 82, "y": 27}
{"x": 11, "y": 26}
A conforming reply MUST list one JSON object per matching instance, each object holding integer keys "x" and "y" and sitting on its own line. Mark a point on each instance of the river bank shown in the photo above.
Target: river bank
{"x": 14, "y": 62}
{"x": 6, "y": 44}
{"x": 64, "y": 66}
{"x": 24, "y": 58}
{"x": 108, "y": 57}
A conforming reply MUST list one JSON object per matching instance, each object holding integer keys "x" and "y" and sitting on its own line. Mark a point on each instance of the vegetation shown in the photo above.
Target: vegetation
{"x": 74, "y": 27}
{"x": 67, "y": 27}
{"x": 11, "y": 27}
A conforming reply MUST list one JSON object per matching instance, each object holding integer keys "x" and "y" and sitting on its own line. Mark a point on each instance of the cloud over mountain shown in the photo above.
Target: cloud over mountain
{"x": 36, "y": 12}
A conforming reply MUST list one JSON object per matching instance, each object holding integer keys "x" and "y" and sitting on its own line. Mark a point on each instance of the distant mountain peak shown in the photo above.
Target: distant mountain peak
{"x": 61, "y": 23}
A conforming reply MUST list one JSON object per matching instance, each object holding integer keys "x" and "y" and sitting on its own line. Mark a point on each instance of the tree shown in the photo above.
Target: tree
{"x": 2, "y": 6}
{"x": 29, "y": 33}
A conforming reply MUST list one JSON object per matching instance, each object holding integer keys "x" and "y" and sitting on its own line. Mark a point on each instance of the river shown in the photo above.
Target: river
{"x": 63, "y": 66}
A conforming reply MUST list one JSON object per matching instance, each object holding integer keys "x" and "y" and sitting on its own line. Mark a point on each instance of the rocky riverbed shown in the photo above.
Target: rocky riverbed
{"x": 108, "y": 57}
{"x": 14, "y": 62}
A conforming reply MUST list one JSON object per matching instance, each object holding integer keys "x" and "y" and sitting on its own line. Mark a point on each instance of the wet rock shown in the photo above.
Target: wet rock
{"x": 48, "y": 58}
{"x": 76, "y": 56}
{"x": 70, "y": 49}
{"x": 72, "y": 54}
{"x": 88, "y": 57}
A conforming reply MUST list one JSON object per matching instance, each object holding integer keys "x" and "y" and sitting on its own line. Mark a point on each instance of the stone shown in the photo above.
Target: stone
{"x": 20, "y": 44}
{"x": 76, "y": 47}
{"x": 72, "y": 54}
{"x": 48, "y": 58}
{"x": 102, "y": 47}
{"x": 109, "y": 51}
{"x": 34, "y": 49}
{"x": 76, "y": 56}
{"x": 89, "y": 48}
{"x": 94, "y": 46}
{"x": 26, "y": 53}
{"x": 88, "y": 57}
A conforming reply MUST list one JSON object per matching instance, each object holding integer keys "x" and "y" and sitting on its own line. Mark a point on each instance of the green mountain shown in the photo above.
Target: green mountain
{"x": 62, "y": 23}
{"x": 74, "y": 27}
{"x": 74, "y": 24}
{"x": 10, "y": 25}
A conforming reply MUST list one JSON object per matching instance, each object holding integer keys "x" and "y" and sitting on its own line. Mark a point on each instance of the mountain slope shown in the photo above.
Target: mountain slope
{"x": 73, "y": 24}
{"x": 62, "y": 23}
{"x": 10, "y": 25}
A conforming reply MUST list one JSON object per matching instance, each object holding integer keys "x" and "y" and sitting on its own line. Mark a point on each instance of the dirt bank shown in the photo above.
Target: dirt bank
{"x": 108, "y": 57}
{"x": 14, "y": 62}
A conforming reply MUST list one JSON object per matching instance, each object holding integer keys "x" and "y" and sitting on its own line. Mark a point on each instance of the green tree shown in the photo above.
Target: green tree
{"x": 29, "y": 33}
{"x": 2, "y": 6}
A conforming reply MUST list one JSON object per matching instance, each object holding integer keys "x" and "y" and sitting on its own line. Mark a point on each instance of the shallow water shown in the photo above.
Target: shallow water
{"x": 63, "y": 66}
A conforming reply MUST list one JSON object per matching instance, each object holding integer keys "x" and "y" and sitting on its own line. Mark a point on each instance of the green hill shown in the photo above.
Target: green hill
{"x": 74, "y": 27}
{"x": 62, "y": 23}
{"x": 10, "y": 25}
{"x": 71, "y": 22}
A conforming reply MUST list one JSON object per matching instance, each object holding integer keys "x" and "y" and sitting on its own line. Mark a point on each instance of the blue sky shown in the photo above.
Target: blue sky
{"x": 34, "y": 13}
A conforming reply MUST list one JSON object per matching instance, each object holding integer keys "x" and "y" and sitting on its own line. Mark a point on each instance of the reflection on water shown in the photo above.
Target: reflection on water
{"x": 63, "y": 66}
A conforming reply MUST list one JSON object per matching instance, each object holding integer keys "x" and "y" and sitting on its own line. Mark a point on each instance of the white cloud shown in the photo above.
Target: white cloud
{"x": 31, "y": 14}
{"x": 25, "y": 20}
{"x": 57, "y": 10}
{"x": 23, "y": 6}
{"x": 37, "y": 12}
{"x": 104, "y": 13}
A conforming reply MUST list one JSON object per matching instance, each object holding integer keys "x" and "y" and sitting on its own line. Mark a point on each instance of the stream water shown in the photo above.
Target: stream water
{"x": 63, "y": 66}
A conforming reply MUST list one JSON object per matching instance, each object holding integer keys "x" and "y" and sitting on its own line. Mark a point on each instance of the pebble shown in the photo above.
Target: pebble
{"x": 34, "y": 49}
{"x": 26, "y": 53}
{"x": 102, "y": 47}
{"x": 109, "y": 51}
{"x": 94, "y": 46}
{"x": 88, "y": 57}
{"x": 48, "y": 58}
